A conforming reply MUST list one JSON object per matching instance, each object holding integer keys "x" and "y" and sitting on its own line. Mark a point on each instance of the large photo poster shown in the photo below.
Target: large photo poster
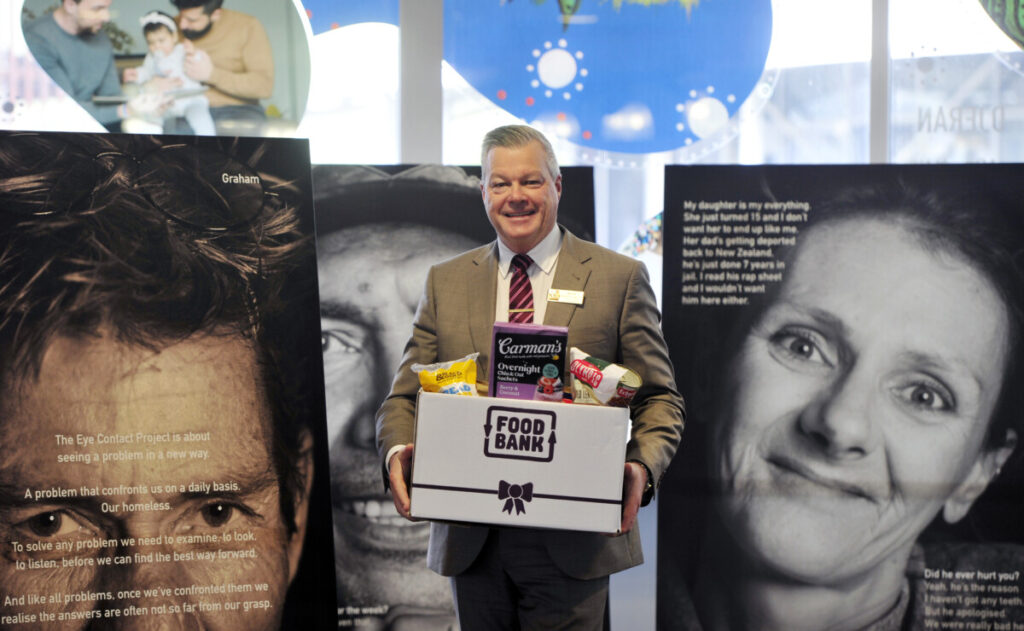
{"x": 379, "y": 229}
{"x": 848, "y": 341}
{"x": 161, "y": 411}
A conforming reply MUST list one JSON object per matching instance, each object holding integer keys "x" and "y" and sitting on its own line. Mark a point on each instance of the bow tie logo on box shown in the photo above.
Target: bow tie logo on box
{"x": 520, "y": 434}
{"x": 515, "y": 495}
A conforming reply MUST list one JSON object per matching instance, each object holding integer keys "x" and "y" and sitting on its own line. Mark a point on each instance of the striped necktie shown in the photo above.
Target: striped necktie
{"x": 520, "y": 293}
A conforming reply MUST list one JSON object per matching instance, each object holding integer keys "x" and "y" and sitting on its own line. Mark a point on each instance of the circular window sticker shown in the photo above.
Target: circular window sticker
{"x": 619, "y": 75}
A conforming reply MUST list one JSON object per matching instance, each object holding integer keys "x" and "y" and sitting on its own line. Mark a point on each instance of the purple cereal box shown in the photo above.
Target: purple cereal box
{"x": 528, "y": 361}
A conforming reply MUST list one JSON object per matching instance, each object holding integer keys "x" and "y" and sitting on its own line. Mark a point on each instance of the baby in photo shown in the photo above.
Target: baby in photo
{"x": 166, "y": 58}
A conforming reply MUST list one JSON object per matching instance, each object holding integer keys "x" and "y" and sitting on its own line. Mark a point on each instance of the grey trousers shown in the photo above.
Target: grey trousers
{"x": 514, "y": 585}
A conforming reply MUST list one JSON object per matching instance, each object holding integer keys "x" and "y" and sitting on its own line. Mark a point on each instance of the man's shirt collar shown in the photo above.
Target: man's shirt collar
{"x": 544, "y": 254}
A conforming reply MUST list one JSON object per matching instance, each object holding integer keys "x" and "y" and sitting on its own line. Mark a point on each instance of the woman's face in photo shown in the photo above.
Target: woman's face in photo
{"x": 860, "y": 403}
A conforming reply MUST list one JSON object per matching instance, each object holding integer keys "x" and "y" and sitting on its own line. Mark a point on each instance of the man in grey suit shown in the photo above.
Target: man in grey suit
{"x": 521, "y": 578}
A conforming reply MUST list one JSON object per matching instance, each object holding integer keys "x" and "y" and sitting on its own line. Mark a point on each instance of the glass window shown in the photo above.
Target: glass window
{"x": 957, "y": 83}
{"x": 809, "y": 105}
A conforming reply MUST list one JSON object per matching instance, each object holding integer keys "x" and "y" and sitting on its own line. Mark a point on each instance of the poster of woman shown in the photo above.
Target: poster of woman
{"x": 848, "y": 339}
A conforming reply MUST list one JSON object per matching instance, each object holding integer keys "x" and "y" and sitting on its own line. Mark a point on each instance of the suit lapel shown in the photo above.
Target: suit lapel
{"x": 480, "y": 309}
{"x": 571, "y": 273}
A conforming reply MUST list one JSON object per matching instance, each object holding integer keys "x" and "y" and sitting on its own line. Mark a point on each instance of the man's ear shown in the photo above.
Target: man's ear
{"x": 304, "y": 467}
{"x": 215, "y": 15}
{"x": 558, "y": 186}
{"x": 985, "y": 468}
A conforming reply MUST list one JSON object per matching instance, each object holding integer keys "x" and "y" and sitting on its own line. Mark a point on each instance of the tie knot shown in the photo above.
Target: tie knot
{"x": 521, "y": 261}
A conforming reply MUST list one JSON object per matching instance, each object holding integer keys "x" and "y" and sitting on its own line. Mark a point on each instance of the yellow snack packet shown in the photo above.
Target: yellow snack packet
{"x": 452, "y": 377}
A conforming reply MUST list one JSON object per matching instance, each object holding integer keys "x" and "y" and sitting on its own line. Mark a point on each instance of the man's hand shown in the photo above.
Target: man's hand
{"x": 130, "y": 75}
{"x": 634, "y": 481}
{"x": 399, "y": 474}
{"x": 198, "y": 65}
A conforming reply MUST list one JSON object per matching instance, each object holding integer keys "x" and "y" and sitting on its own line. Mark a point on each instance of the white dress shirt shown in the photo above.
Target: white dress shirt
{"x": 541, "y": 271}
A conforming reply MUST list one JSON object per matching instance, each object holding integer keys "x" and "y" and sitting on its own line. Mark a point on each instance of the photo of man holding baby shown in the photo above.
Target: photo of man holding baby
{"x": 147, "y": 66}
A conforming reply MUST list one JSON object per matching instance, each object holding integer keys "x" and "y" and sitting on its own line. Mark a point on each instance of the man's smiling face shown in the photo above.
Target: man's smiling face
{"x": 520, "y": 195}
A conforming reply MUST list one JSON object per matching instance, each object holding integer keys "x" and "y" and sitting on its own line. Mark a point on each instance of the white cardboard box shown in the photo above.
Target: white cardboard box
{"x": 519, "y": 463}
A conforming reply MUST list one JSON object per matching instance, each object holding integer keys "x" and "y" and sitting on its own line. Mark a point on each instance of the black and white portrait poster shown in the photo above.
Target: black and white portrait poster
{"x": 848, "y": 340}
{"x": 161, "y": 411}
{"x": 379, "y": 229}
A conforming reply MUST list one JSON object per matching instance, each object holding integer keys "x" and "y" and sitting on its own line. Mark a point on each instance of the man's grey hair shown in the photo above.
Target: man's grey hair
{"x": 514, "y": 136}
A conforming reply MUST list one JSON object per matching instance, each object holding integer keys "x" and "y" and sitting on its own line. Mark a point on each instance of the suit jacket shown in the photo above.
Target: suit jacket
{"x": 618, "y": 321}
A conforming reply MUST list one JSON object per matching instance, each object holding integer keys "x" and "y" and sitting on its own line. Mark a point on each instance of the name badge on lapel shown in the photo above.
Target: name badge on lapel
{"x": 568, "y": 296}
